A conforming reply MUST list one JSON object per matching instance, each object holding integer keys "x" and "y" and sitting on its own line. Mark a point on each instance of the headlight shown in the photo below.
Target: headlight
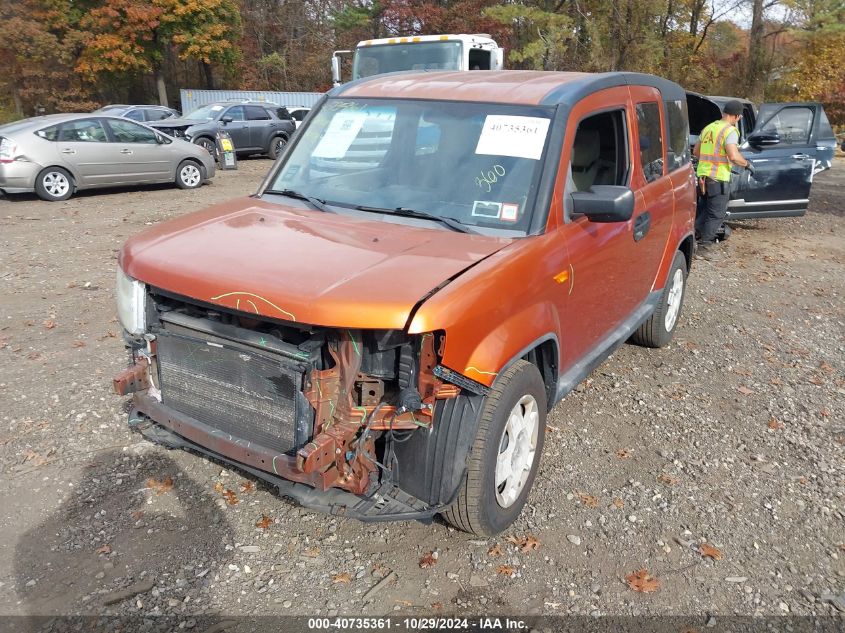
{"x": 131, "y": 304}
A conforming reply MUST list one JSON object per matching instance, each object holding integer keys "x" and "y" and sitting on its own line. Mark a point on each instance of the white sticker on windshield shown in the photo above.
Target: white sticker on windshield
{"x": 517, "y": 136}
{"x": 340, "y": 134}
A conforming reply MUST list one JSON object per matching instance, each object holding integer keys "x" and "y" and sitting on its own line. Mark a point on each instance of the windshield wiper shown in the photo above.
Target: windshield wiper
{"x": 452, "y": 223}
{"x": 316, "y": 203}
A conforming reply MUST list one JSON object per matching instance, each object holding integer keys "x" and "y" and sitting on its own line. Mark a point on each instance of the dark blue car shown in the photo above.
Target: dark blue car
{"x": 789, "y": 143}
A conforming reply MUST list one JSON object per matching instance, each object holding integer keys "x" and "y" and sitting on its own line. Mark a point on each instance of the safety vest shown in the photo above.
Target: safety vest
{"x": 713, "y": 159}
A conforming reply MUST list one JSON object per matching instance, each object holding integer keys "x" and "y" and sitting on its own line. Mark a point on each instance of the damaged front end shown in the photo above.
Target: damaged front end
{"x": 354, "y": 422}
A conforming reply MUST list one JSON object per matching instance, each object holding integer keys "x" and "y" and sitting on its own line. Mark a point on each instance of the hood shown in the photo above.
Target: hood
{"x": 302, "y": 265}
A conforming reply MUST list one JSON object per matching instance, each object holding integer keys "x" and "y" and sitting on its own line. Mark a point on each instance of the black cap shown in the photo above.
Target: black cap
{"x": 733, "y": 107}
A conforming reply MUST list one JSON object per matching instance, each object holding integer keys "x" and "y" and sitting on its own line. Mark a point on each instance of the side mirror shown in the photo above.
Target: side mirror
{"x": 604, "y": 203}
{"x": 336, "y": 70}
{"x": 161, "y": 140}
{"x": 225, "y": 120}
{"x": 764, "y": 139}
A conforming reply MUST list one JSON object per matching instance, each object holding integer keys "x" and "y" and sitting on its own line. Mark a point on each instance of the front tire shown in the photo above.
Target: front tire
{"x": 505, "y": 454}
{"x": 189, "y": 175}
{"x": 208, "y": 145}
{"x": 54, "y": 184}
{"x": 658, "y": 329}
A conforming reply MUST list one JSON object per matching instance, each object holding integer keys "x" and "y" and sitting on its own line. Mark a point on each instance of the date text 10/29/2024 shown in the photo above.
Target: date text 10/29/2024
{"x": 415, "y": 624}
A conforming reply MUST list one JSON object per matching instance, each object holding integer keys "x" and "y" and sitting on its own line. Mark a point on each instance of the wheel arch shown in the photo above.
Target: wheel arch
{"x": 74, "y": 176}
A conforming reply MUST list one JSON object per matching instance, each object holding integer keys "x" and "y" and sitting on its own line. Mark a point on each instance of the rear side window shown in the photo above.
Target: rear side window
{"x": 49, "y": 133}
{"x": 792, "y": 124}
{"x": 678, "y": 123}
{"x": 256, "y": 113}
{"x": 135, "y": 115}
{"x": 282, "y": 113}
{"x": 651, "y": 142}
{"x": 82, "y": 131}
{"x": 157, "y": 114}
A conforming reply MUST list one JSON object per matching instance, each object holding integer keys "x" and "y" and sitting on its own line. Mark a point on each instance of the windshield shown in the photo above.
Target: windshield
{"x": 388, "y": 58}
{"x": 476, "y": 163}
{"x": 205, "y": 113}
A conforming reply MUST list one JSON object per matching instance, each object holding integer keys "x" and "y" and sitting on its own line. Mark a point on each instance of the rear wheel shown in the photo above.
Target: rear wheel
{"x": 658, "y": 329}
{"x": 277, "y": 144}
{"x": 188, "y": 175}
{"x": 505, "y": 455}
{"x": 54, "y": 184}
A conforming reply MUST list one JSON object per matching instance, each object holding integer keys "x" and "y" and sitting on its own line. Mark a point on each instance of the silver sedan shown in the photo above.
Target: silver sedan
{"x": 58, "y": 154}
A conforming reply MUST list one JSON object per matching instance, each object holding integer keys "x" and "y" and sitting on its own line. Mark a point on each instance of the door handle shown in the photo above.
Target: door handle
{"x": 126, "y": 151}
{"x": 800, "y": 156}
{"x": 641, "y": 225}
{"x": 68, "y": 151}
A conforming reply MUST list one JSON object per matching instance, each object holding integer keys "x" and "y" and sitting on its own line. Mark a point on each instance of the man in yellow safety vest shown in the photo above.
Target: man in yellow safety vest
{"x": 716, "y": 151}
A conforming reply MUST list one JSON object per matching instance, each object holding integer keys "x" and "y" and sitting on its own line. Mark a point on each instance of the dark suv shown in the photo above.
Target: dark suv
{"x": 256, "y": 127}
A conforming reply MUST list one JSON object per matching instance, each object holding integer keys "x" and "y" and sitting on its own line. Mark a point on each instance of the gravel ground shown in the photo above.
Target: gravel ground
{"x": 732, "y": 438}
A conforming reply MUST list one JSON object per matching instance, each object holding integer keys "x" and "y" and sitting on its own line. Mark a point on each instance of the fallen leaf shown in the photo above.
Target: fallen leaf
{"x": 311, "y": 552}
{"x": 618, "y": 503}
{"x": 708, "y": 551}
{"x": 79, "y": 343}
{"x": 588, "y": 500}
{"x": 667, "y": 479}
{"x": 774, "y": 424}
{"x": 343, "y": 578}
{"x": 428, "y": 560}
{"x": 816, "y": 380}
{"x": 506, "y": 570}
{"x": 745, "y": 390}
{"x": 828, "y": 369}
{"x": 622, "y": 453}
{"x": 231, "y": 497}
{"x": 642, "y": 582}
{"x": 514, "y": 540}
{"x": 49, "y": 324}
{"x": 825, "y": 413}
{"x": 247, "y": 486}
{"x": 137, "y": 514}
{"x": 160, "y": 487}
{"x": 264, "y": 522}
{"x": 530, "y": 544}
{"x": 496, "y": 550}
{"x": 802, "y": 481}
{"x": 104, "y": 549}
{"x": 437, "y": 606}
{"x": 218, "y": 487}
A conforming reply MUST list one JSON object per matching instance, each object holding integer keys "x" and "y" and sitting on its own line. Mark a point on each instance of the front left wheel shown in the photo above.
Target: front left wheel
{"x": 188, "y": 175}
{"x": 505, "y": 454}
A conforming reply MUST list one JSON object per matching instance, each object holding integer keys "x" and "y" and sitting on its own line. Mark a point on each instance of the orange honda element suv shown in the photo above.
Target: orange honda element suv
{"x": 434, "y": 261}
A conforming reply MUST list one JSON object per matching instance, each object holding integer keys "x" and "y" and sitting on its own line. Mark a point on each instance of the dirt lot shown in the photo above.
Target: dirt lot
{"x": 733, "y": 436}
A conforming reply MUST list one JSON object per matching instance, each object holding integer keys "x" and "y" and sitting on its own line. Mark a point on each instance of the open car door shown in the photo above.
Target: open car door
{"x": 790, "y": 143}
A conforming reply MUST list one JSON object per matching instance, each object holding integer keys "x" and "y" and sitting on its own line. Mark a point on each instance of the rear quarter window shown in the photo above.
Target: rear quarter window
{"x": 49, "y": 133}
{"x": 678, "y": 131}
{"x": 651, "y": 141}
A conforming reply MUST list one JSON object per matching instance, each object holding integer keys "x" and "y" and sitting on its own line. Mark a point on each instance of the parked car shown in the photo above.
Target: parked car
{"x": 141, "y": 113}
{"x": 56, "y": 155}
{"x": 256, "y": 127}
{"x": 298, "y": 114}
{"x": 788, "y": 143}
{"x": 384, "y": 342}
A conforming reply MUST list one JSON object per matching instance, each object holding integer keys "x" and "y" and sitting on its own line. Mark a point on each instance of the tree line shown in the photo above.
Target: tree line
{"x": 74, "y": 55}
